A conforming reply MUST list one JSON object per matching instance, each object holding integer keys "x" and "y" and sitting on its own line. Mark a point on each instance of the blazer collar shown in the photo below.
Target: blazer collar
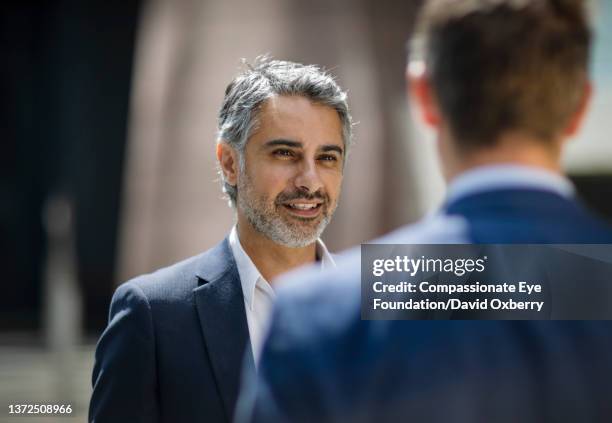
{"x": 220, "y": 306}
{"x": 489, "y": 178}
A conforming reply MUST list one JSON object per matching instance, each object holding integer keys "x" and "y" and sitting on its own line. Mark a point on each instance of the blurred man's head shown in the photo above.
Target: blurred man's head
{"x": 284, "y": 133}
{"x": 488, "y": 70}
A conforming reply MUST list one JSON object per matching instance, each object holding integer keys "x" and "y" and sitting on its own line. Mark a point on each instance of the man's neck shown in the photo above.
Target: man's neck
{"x": 270, "y": 258}
{"x": 509, "y": 150}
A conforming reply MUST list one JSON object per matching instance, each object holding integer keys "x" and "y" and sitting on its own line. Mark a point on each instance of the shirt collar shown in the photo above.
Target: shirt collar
{"x": 250, "y": 276}
{"x": 493, "y": 177}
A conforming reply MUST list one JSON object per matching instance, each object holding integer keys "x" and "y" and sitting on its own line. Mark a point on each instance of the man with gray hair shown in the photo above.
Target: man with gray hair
{"x": 176, "y": 339}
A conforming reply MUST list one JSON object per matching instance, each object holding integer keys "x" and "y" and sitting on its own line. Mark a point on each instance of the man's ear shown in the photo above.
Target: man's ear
{"x": 578, "y": 117}
{"x": 419, "y": 89}
{"x": 228, "y": 160}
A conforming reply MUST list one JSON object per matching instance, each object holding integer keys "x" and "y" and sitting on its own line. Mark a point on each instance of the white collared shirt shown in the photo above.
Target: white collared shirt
{"x": 258, "y": 293}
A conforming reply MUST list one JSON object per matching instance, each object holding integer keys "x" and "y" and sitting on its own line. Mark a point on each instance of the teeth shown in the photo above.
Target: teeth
{"x": 303, "y": 206}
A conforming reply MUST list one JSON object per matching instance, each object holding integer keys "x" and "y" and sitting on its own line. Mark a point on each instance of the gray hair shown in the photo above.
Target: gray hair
{"x": 265, "y": 79}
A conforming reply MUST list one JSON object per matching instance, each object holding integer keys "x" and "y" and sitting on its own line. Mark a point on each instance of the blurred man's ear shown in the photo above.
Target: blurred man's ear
{"x": 577, "y": 119}
{"x": 419, "y": 90}
{"x": 228, "y": 160}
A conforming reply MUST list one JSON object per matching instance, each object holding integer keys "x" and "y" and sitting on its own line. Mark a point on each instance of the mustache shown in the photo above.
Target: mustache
{"x": 285, "y": 197}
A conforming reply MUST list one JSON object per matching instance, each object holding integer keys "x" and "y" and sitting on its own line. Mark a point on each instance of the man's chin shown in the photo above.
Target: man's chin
{"x": 302, "y": 233}
{"x": 303, "y": 225}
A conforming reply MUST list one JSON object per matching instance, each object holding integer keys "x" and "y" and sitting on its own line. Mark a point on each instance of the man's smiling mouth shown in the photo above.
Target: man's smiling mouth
{"x": 303, "y": 208}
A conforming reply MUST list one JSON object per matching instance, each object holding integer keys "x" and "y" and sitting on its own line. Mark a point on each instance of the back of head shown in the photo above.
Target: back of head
{"x": 498, "y": 66}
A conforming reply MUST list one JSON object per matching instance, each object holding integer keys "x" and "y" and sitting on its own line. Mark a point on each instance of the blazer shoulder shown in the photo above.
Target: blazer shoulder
{"x": 177, "y": 281}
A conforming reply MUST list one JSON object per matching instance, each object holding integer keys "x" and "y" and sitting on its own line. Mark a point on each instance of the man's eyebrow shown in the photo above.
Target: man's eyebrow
{"x": 297, "y": 144}
{"x": 332, "y": 147}
{"x": 286, "y": 143}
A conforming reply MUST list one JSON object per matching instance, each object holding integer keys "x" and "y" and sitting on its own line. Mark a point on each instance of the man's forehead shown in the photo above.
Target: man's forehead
{"x": 291, "y": 117}
{"x": 291, "y": 105}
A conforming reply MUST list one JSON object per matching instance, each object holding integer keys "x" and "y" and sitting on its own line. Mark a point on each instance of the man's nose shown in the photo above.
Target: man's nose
{"x": 308, "y": 178}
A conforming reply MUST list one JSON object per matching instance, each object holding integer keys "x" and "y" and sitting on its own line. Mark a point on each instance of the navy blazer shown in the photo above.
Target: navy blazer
{"x": 174, "y": 346}
{"x": 322, "y": 363}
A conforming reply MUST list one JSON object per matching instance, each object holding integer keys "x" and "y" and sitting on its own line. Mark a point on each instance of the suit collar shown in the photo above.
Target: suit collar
{"x": 215, "y": 262}
{"x": 220, "y": 306}
{"x": 484, "y": 179}
{"x": 249, "y": 274}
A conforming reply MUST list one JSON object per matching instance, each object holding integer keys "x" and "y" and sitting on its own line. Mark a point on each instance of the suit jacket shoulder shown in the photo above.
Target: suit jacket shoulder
{"x": 177, "y": 281}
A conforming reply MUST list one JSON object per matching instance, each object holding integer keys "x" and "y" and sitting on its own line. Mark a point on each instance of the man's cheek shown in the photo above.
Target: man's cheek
{"x": 335, "y": 193}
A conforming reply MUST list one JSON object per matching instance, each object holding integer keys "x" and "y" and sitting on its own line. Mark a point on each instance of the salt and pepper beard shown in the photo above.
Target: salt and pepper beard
{"x": 267, "y": 219}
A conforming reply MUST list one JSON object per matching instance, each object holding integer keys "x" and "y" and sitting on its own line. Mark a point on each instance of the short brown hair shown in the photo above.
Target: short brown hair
{"x": 504, "y": 65}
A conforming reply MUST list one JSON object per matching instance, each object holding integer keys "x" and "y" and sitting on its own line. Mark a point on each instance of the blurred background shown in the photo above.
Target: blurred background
{"x": 108, "y": 119}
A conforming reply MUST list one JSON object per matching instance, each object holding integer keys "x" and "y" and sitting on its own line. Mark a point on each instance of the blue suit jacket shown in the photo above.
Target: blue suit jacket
{"x": 322, "y": 363}
{"x": 174, "y": 346}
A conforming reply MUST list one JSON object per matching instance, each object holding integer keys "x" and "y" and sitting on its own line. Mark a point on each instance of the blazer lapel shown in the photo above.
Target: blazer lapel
{"x": 220, "y": 306}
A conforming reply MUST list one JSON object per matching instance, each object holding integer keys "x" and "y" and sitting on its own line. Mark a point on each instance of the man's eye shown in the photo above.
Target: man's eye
{"x": 283, "y": 153}
{"x": 328, "y": 158}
